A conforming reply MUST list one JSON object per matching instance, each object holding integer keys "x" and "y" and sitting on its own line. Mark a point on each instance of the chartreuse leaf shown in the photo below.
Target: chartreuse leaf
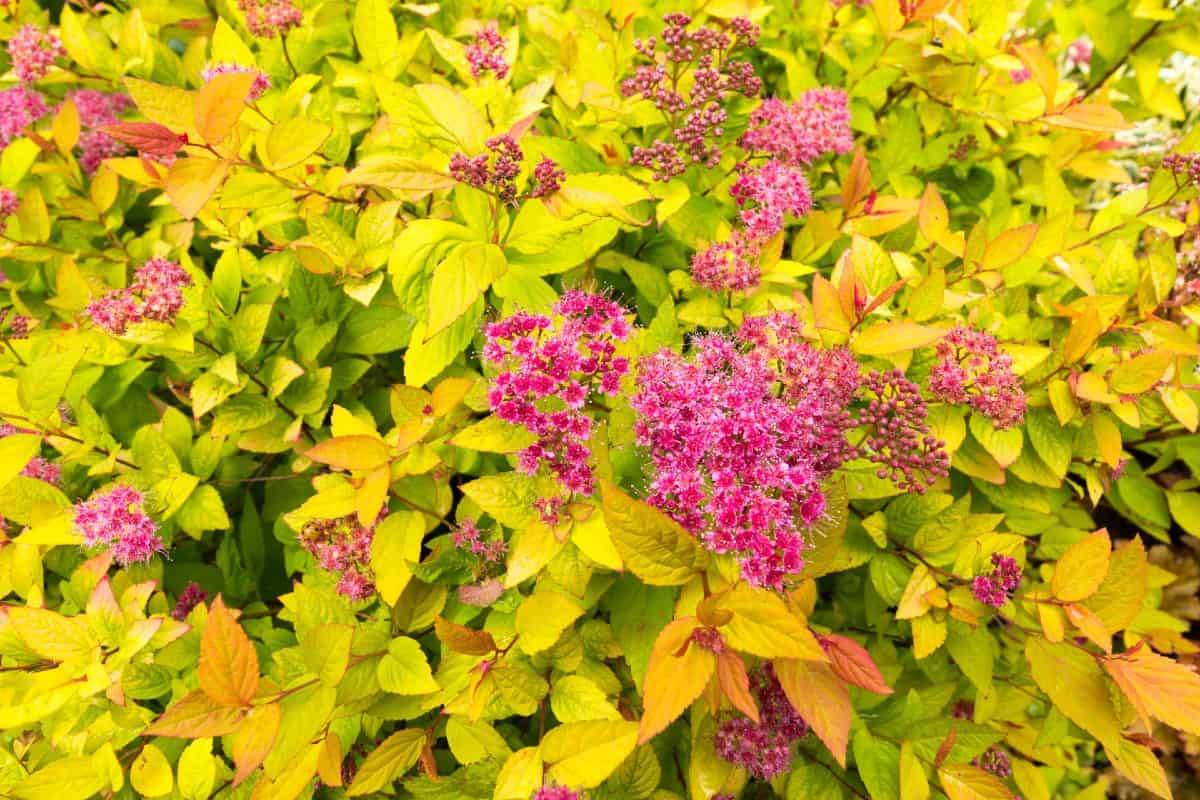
{"x": 575, "y": 698}
{"x": 326, "y": 651}
{"x": 197, "y": 770}
{"x": 150, "y": 774}
{"x": 652, "y": 545}
{"x": 1075, "y": 684}
{"x": 543, "y": 617}
{"x": 520, "y": 776}
{"x": 70, "y": 778}
{"x": 405, "y": 669}
{"x": 254, "y": 739}
{"x": 396, "y": 543}
{"x": 473, "y": 741}
{"x": 493, "y": 435}
{"x": 583, "y": 754}
{"x": 1139, "y": 764}
{"x": 878, "y": 763}
{"x": 354, "y": 452}
{"x": 391, "y": 759}
{"x": 15, "y": 452}
{"x": 965, "y": 782}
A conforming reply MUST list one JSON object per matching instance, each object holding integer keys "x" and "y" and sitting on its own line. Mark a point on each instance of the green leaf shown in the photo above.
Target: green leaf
{"x": 653, "y": 546}
{"x": 405, "y": 669}
{"x": 292, "y": 141}
{"x": 493, "y": 435}
{"x": 878, "y": 763}
{"x": 473, "y": 741}
{"x": 15, "y": 452}
{"x": 197, "y": 770}
{"x": 203, "y": 511}
{"x": 507, "y": 497}
{"x": 574, "y": 698}
{"x": 1076, "y": 685}
{"x": 460, "y": 281}
{"x": 388, "y": 761}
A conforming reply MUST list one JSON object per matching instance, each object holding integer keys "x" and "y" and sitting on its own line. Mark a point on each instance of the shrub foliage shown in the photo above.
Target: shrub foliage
{"x": 595, "y": 399}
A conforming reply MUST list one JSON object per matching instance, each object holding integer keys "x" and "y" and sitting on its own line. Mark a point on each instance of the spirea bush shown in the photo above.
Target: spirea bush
{"x": 597, "y": 400}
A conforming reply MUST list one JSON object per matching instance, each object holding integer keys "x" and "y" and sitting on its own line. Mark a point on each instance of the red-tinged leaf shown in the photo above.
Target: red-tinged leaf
{"x": 462, "y": 639}
{"x": 1157, "y": 687}
{"x": 253, "y": 741}
{"x": 355, "y": 452}
{"x": 228, "y": 663}
{"x": 196, "y": 715}
{"x": 852, "y": 663}
{"x": 147, "y": 137}
{"x": 735, "y": 683}
{"x": 946, "y": 746}
{"x": 821, "y": 698}
{"x": 857, "y": 185}
{"x": 673, "y": 682}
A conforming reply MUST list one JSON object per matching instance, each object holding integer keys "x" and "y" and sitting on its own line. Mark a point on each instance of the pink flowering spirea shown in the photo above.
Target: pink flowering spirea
{"x": 266, "y": 19}
{"x": 486, "y": 54}
{"x": 98, "y": 108}
{"x": 555, "y": 793}
{"x": 734, "y": 463}
{"x": 192, "y": 596}
{"x": 342, "y": 546}
{"x": 20, "y": 107}
{"x": 488, "y": 554}
{"x": 995, "y": 761}
{"x": 497, "y": 170}
{"x": 43, "y": 470}
{"x": 696, "y": 119}
{"x": 9, "y": 204}
{"x": 1079, "y": 52}
{"x": 1020, "y": 76}
{"x": 115, "y": 518}
{"x": 800, "y": 133}
{"x": 33, "y": 52}
{"x": 1184, "y": 166}
{"x": 763, "y": 748}
{"x": 551, "y": 367}
{"x": 769, "y": 193}
{"x": 898, "y": 438}
{"x": 547, "y": 178}
{"x": 156, "y": 294}
{"x": 94, "y": 148}
{"x": 972, "y": 369}
{"x": 995, "y": 588}
{"x": 730, "y": 264}
{"x": 257, "y": 89}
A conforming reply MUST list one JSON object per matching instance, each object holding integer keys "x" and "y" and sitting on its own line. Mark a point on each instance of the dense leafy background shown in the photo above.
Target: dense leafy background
{"x": 326, "y": 362}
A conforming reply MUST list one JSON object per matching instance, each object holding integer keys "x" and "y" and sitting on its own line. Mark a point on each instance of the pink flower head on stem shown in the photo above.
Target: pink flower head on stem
{"x": 33, "y": 52}
{"x": 972, "y": 369}
{"x": 155, "y": 294}
{"x": 551, "y": 368}
{"x": 1079, "y": 52}
{"x": 995, "y": 588}
{"x": 270, "y": 17}
{"x": 731, "y": 264}
{"x": 192, "y": 596}
{"x": 800, "y": 133}
{"x": 486, "y": 54}
{"x": 261, "y": 82}
{"x": 115, "y": 518}
{"x": 342, "y": 545}
{"x": 769, "y": 193}
{"x": 20, "y": 107}
{"x": 898, "y": 438}
{"x": 764, "y": 749}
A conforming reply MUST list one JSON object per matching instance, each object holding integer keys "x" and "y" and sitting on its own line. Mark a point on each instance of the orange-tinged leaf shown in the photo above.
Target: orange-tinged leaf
{"x": 1089, "y": 117}
{"x": 329, "y": 764}
{"x": 827, "y": 307}
{"x": 1009, "y": 247}
{"x": 1089, "y": 625}
{"x": 673, "y": 681}
{"x": 371, "y": 496}
{"x": 253, "y": 740}
{"x": 914, "y": 602}
{"x": 1157, "y": 687}
{"x": 857, "y": 184}
{"x": 821, "y": 698}
{"x": 964, "y": 782}
{"x": 1076, "y": 685}
{"x": 1120, "y": 596}
{"x": 735, "y": 683}
{"x": 462, "y": 639}
{"x": 1041, "y": 69}
{"x": 852, "y": 663}
{"x": 196, "y": 715}
{"x": 219, "y": 104}
{"x": 762, "y": 624}
{"x": 895, "y": 337}
{"x": 355, "y": 452}
{"x": 1085, "y": 330}
{"x": 1082, "y": 568}
{"x": 191, "y": 182}
{"x": 228, "y": 664}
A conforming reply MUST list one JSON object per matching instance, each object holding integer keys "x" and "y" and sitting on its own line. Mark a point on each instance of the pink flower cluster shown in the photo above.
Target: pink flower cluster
{"x": 995, "y": 761}
{"x": 897, "y": 432}
{"x": 265, "y": 19}
{"x": 1019, "y": 76}
{"x": 734, "y": 463}
{"x": 20, "y": 107}
{"x": 343, "y": 546}
{"x": 731, "y": 264}
{"x": 488, "y": 555}
{"x": 497, "y": 171}
{"x": 261, "y": 82}
{"x": 192, "y": 596}
{"x": 17, "y": 324}
{"x": 9, "y": 204}
{"x": 1079, "y": 52}
{"x": 38, "y": 467}
{"x": 1183, "y": 165}
{"x": 115, "y": 518}
{"x": 97, "y": 109}
{"x": 551, "y": 369}
{"x": 486, "y": 54}
{"x": 764, "y": 749}
{"x": 972, "y": 369}
{"x": 32, "y": 52}
{"x": 800, "y": 133}
{"x": 555, "y": 793}
{"x": 767, "y": 194}
{"x": 995, "y": 588}
{"x": 697, "y": 121}
{"x": 156, "y": 294}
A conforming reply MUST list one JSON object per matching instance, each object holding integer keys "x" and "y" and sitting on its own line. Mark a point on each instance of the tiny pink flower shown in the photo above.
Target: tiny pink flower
{"x": 32, "y": 52}
{"x": 486, "y": 54}
{"x": 20, "y": 107}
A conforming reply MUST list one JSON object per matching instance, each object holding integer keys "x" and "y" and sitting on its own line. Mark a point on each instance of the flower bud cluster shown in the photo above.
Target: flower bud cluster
{"x": 486, "y": 54}
{"x": 898, "y": 438}
{"x": 497, "y": 170}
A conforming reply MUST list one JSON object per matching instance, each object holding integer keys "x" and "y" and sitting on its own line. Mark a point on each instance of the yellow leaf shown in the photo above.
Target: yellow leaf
{"x": 254, "y": 739}
{"x": 387, "y": 762}
{"x": 1139, "y": 764}
{"x": 1052, "y": 620}
{"x": 595, "y": 541}
{"x": 228, "y": 664}
{"x": 196, "y": 715}
{"x": 396, "y": 542}
{"x": 329, "y": 762}
{"x": 1075, "y": 685}
{"x": 1120, "y": 596}
{"x": 50, "y": 634}
{"x": 166, "y": 105}
{"x": 1083, "y": 333}
{"x": 1089, "y": 625}
{"x": 673, "y": 682}
{"x": 652, "y": 545}
{"x": 191, "y": 182}
{"x": 895, "y": 337}
{"x": 827, "y": 308}
{"x": 219, "y": 104}
{"x": 1108, "y": 437}
{"x": 290, "y": 782}
{"x": 1089, "y": 117}
{"x": 354, "y": 452}
{"x": 583, "y": 754}
{"x": 914, "y": 603}
{"x": 821, "y": 698}
{"x": 1140, "y": 373}
{"x": 933, "y": 218}
{"x": 520, "y": 776}
{"x": 291, "y": 141}
{"x": 1082, "y": 568}
{"x": 964, "y": 782}
{"x": 914, "y": 784}
{"x": 531, "y": 550}
{"x": 1157, "y": 687}
{"x": 150, "y": 775}
{"x": 1181, "y": 405}
{"x": 763, "y": 625}
{"x": 543, "y": 617}
{"x": 929, "y": 633}
{"x": 1008, "y": 247}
